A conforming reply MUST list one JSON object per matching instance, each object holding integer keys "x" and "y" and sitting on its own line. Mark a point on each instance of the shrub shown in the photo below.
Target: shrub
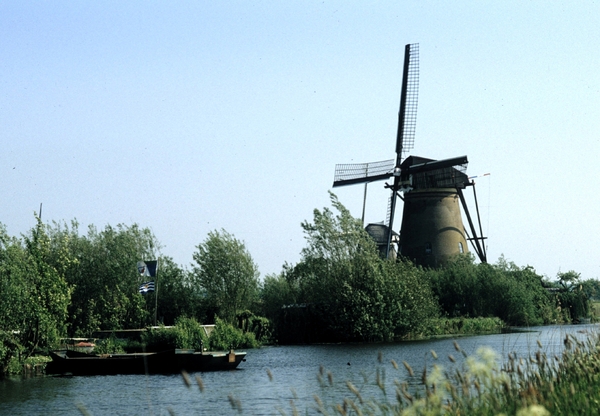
{"x": 514, "y": 294}
{"x": 226, "y": 336}
{"x": 9, "y": 351}
{"x": 160, "y": 339}
{"x": 343, "y": 290}
{"x": 463, "y": 326}
{"x": 189, "y": 333}
{"x": 258, "y": 325}
{"x": 111, "y": 345}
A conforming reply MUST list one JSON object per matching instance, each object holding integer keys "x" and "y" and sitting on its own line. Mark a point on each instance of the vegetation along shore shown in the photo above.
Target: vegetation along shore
{"x": 57, "y": 282}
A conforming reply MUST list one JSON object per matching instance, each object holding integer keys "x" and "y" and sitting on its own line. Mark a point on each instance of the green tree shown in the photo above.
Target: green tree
{"x": 514, "y": 294}
{"x": 224, "y": 269}
{"x": 574, "y": 300}
{"x": 278, "y": 291}
{"x": 34, "y": 294}
{"x": 13, "y": 292}
{"x": 177, "y": 296}
{"x": 343, "y": 283}
{"x": 104, "y": 276}
{"x": 49, "y": 293}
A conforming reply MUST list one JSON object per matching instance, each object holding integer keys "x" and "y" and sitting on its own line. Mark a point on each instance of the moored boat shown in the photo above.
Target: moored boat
{"x": 170, "y": 361}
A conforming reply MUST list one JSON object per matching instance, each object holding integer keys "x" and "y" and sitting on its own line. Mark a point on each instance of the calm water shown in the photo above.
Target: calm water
{"x": 294, "y": 373}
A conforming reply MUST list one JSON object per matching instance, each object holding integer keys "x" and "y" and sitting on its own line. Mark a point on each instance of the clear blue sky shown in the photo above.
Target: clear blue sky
{"x": 186, "y": 117}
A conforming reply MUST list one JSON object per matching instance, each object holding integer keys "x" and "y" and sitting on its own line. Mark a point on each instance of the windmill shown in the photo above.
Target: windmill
{"x": 432, "y": 229}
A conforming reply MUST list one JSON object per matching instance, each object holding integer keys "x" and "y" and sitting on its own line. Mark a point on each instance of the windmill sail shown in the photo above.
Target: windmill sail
{"x": 407, "y": 115}
{"x": 349, "y": 174}
{"x": 407, "y": 120}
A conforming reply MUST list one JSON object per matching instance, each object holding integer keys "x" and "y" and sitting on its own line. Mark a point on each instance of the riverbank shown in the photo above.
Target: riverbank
{"x": 437, "y": 329}
{"x": 441, "y": 328}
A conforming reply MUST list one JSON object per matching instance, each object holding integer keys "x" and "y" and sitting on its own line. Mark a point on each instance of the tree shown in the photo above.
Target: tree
{"x": 49, "y": 293}
{"x": 225, "y": 270}
{"x": 34, "y": 294}
{"x": 514, "y": 294}
{"x": 573, "y": 299}
{"x": 278, "y": 291}
{"x": 343, "y": 284}
{"x": 104, "y": 275}
{"x": 177, "y": 296}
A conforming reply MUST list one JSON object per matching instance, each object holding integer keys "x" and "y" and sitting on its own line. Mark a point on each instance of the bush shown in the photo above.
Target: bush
{"x": 111, "y": 345}
{"x": 190, "y": 334}
{"x": 187, "y": 333}
{"x": 159, "y": 339}
{"x": 226, "y": 336}
{"x": 342, "y": 291}
{"x": 258, "y": 325}
{"x": 464, "y": 326}
{"x": 9, "y": 352}
{"x": 515, "y": 295}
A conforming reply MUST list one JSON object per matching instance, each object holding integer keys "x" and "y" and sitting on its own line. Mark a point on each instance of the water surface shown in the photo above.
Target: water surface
{"x": 294, "y": 383}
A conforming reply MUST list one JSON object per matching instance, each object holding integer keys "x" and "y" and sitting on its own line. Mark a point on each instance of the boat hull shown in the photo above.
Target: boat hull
{"x": 166, "y": 362}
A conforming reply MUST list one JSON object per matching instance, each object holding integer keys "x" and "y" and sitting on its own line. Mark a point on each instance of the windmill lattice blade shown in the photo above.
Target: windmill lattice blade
{"x": 349, "y": 174}
{"x": 388, "y": 214}
{"x": 407, "y": 116}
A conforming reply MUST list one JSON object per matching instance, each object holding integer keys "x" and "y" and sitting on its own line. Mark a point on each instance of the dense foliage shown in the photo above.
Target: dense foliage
{"x": 517, "y": 295}
{"x": 342, "y": 290}
{"x": 34, "y": 294}
{"x": 103, "y": 279}
{"x": 573, "y": 299}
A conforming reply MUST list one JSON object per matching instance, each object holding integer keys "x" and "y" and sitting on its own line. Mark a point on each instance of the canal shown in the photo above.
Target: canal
{"x": 272, "y": 380}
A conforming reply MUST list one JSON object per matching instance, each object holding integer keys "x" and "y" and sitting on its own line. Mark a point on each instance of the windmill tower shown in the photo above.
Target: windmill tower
{"x": 432, "y": 228}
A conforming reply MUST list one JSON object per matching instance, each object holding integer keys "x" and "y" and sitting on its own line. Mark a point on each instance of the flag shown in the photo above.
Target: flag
{"x": 147, "y": 287}
{"x": 147, "y": 268}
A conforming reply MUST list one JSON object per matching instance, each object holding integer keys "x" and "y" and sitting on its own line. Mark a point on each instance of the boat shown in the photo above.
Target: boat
{"x": 164, "y": 362}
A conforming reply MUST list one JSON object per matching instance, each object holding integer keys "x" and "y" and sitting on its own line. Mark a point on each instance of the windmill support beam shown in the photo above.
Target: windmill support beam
{"x": 364, "y": 205}
{"x": 479, "y": 220}
{"x": 477, "y": 246}
{"x": 387, "y": 186}
{"x": 391, "y": 224}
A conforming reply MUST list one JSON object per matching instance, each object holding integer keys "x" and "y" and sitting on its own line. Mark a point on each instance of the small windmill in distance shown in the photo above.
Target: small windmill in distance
{"x": 432, "y": 229}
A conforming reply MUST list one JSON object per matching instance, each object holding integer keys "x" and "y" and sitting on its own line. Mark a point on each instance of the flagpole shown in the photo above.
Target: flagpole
{"x": 156, "y": 290}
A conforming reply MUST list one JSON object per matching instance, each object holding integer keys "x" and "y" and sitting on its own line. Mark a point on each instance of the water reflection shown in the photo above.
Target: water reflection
{"x": 294, "y": 383}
